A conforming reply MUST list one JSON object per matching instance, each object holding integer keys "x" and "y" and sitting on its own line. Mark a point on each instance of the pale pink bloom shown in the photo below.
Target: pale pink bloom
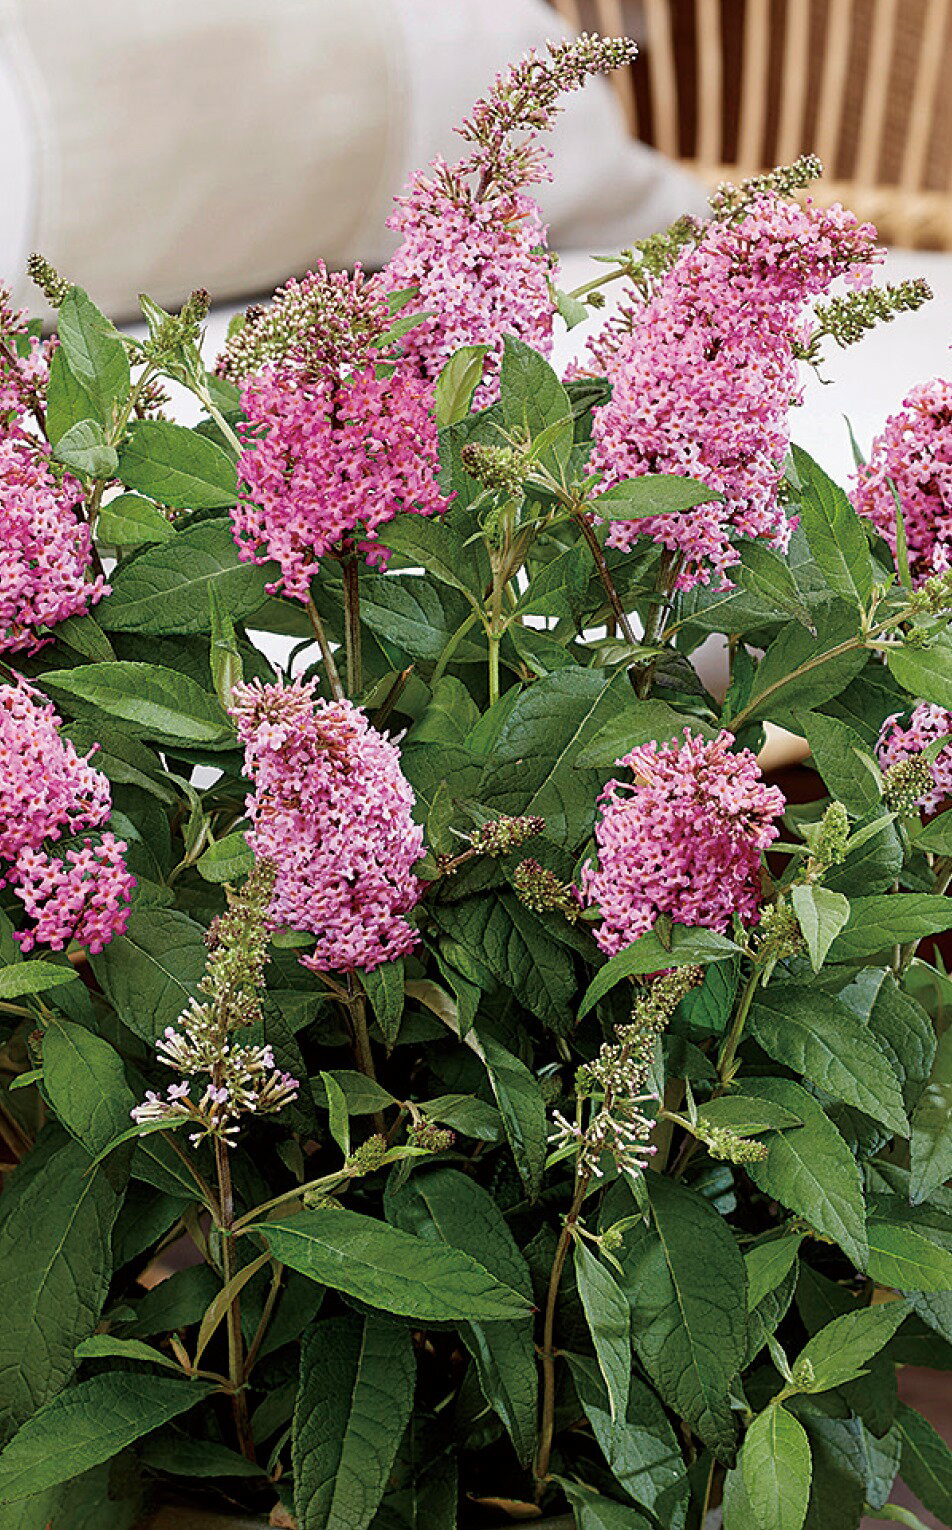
{"x": 914, "y": 452}
{"x": 897, "y": 742}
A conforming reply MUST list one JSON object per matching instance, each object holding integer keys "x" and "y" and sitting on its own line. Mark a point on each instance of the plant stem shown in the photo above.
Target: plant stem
{"x": 236, "y": 1360}
{"x": 327, "y": 1180}
{"x": 726, "y": 1060}
{"x": 355, "y": 665}
{"x": 896, "y": 1514}
{"x": 657, "y": 618}
{"x": 363, "y": 1055}
{"x": 205, "y": 1189}
{"x": 452, "y": 645}
{"x": 262, "y": 1327}
{"x": 547, "y": 1352}
{"x": 584, "y": 524}
{"x": 333, "y": 676}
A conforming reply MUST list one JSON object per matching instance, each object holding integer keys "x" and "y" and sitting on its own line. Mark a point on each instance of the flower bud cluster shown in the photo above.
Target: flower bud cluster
{"x": 849, "y": 318}
{"x": 724, "y": 1144}
{"x": 778, "y": 934}
{"x": 501, "y": 835}
{"x": 829, "y": 843}
{"x": 899, "y": 741}
{"x": 241, "y": 1079}
{"x": 501, "y": 468}
{"x": 430, "y": 1137}
{"x": 45, "y": 276}
{"x": 542, "y": 891}
{"x": 368, "y": 1157}
{"x": 728, "y": 201}
{"x": 906, "y": 783}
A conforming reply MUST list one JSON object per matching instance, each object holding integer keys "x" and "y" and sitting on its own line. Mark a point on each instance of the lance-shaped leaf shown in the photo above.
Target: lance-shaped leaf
{"x": 776, "y": 1466}
{"x": 932, "y": 1127}
{"x": 688, "y": 947}
{"x": 841, "y": 1350}
{"x": 153, "y": 701}
{"x": 609, "y": 1322}
{"x": 177, "y": 467}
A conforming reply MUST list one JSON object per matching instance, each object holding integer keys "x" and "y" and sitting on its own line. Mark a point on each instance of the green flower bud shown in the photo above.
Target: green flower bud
{"x": 502, "y": 835}
{"x": 906, "y": 783}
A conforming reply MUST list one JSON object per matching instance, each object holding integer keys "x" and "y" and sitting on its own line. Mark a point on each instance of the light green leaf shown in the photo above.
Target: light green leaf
{"x": 55, "y": 1268}
{"x": 221, "y": 1302}
{"x": 339, "y": 1117}
{"x": 153, "y": 702}
{"x": 834, "y": 531}
{"x": 177, "y": 467}
{"x": 227, "y": 860}
{"x": 811, "y": 1170}
{"x": 767, "y": 1265}
{"x": 445, "y": 1204}
{"x": 90, "y": 1423}
{"x": 745, "y": 1116}
{"x": 902, "y": 1257}
{"x": 815, "y": 1035}
{"x": 23, "y": 978}
{"x": 457, "y": 383}
{"x": 821, "y": 915}
{"x": 776, "y": 1465}
{"x": 651, "y": 494}
{"x": 466, "y": 1114}
{"x": 839, "y": 1352}
{"x": 689, "y": 947}
{"x": 390, "y": 1269}
{"x": 595, "y": 1512}
{"x": 84, "y": 448}
{"x": 102, "y": 1346}
{"x": 800, "y": 671}
{"x": 883, "y": 920}
{"x": 150, "y": 973}
{"x": 362, "y": 1095}
{"x": 849, "y": 770}
{"x": 936, "y": 836}
{"x": 533, "y": 400}
{"x": 926, "y": 1463}
{"x": 354, "y": 1398}
{"x": 687, "y": 1286}
{"x": 606, "y": 1311}
{"x": 931, "y": 1151}
{"x": 129, "y": 520}
{"x": 94, "y": 354}
{"x": 767, "y": 576}
{"x": 925, "y": 673}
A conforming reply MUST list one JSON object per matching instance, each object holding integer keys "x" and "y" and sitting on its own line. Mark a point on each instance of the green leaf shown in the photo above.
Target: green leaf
{"x": 801, "y": 671}
{"x": 354, "y": 1399}
{"x": 227, "y": 860}
{"x": 641, "y": 1449}
{"x": 221, "y": 1301}
{"x": 176, "y": 1453}
{"x": 166, "y": 589}
{"x": 55, "y": 1268}
{"x": 649, "y": 721}
{"x": 738, "y": 1514}
{"x": 88, "y": 1424}
{"x": 901, "y": 1256}
{"x": 834, "y": 531}
{"x": 533, "y": 400}
{"x": 84, "y": 635}
{"x": 839, "y": 1470}
{"x": 384, "y": 987}
{"x": 821, "y": 915}
{"x": 457, "y": 382}
{"x": 339, "y": 1117}
{"x": 746, "y": 1117}
{"x": 767, "y": 576}
{"x": 839, "y": 1352}
{"x": 931, "y": 1151}
{"x": 522, "y": 1108}
{"x": 609, "y": 1322}
{"x": 177, "y": 467}
{"x": 776, "y": 1465}
{"x": 686, "y": 1282}
{"x": 926, "y": 1464}
{"x": 822, "y": 1039}
{"x": 85, "y": 1083}
{"x": 849, "y": 770}
{"x": 651, "y": 494}
{"x": 767, "y": 1266}
{"x": 925, "y": 673}
{"x": 23, "y": 978}
{"x": 511, "y": 945}
{"x": 419, "y": 616}
{"x": 153, "y": 702}
{"x": 533, "y": 767}
{"x": 435, "y": 546}
{"x": 95, "y": 355}
{"x": 595, "y": 1512}
{"x": 467, "y": 1115}
{"x": 936, "y": 836}
{"x": 811, "y": 1170}
{"x": 883, "y": 920}
{"x": 85, "y": 449}
{"x": 129, "y": 520}
{"x": 390, "y": 1269}
{"x": 689, "y": 947}
{"x": 103, "y": 1346}
{"x": 150, "y": 973}
{"x": 445, "y": 1204}
{"x": 362, "y": 1095}
{"x": 67, "y": 401}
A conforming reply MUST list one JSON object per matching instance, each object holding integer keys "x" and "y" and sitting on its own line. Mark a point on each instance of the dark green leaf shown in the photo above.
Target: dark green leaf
{"x": 606, "y": 1310}
{"x": 926, "y": 1463}
{"x": 95, "y": 356}
{"x": 354, "y": 1399}
{"x": 390, "y": 1269}
{"x": 811, "y": 1170}
{"x": 689, "y": 947}
{"x": 129, "y": 520}
{"x": 931, "y": 1153}
{"x": 55, "y": 1267}
{"x": 651, "y": 494}
{"x": 822, "y": 1039}
{"x": 385, "y": 990}
{"x": 641, "y": 1449}
{"x": 103, "y": 1346}
{"x": 166, "y": 589}
{"x": 227, "y": 860}
{"x": 522, "y": 1108}
{"x": 150, "y": 973}
{"x": 595, "y": 1512}
{"x": 883, "y": 920}
{"x": 847, "y": 766}
{"x": 85, "y": 1083}
{"x": 88, "y": 1424}
{"x": 799, "y": 670}
{"x": 177, "y": 467}
{"x": 533, "y": 400}
{"x": 766, "y": 575}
